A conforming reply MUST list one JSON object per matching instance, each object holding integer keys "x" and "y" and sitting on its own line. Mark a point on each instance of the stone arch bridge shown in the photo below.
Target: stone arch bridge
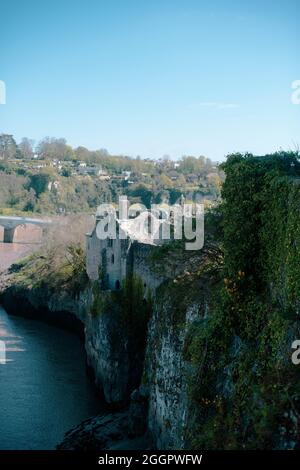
{"x": 11, "y": 223}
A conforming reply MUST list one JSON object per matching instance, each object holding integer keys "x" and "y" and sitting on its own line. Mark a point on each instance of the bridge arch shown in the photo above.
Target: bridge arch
{"x": 11, "y": 224}
{"x": 28, "y": 233}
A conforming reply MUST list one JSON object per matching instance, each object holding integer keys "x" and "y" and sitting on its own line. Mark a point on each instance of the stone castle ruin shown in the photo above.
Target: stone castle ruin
{"x": 122, "y": 240}
{"x": 112, "y": 259}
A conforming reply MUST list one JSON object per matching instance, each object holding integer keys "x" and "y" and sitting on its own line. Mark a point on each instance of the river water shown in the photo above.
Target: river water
{"x": 44, "y": 389}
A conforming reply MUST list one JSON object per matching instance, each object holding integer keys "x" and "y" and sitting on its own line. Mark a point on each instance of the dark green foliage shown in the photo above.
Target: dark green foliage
{"x": 99, "y": 302}
{"x": 76, "y": 261}
{"x": 143, "y": 193}
{"x": 245, "y": 388}
{"x": 136, "y": 306}
{"x": 39, "y": 182}
{"x": 66, "y": 172}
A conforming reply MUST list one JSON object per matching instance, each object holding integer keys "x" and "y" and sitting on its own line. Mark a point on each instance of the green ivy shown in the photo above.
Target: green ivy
{"x": 244, "y": 387}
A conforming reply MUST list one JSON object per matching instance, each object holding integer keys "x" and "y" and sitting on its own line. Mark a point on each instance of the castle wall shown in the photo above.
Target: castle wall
{"x": 142, "y": 266}
{"x": 114, "y": 259}
{"x": 93, "y": 256}
{"x": 108, "y": 256}
{"x": 116, "y": 265}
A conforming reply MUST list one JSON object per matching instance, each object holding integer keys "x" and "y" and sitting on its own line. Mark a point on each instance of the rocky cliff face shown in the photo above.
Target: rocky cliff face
{"x": 180, "y": 305}
{"x": 58, "y": 309}
{"x": 166, "y": 375}
{"x": 107, "y": 351}
{"x": 110, "y": 351}
{"x": 128, "y": 365}
{"x": 164, "y": 384}
{"x": 120, "y": 430}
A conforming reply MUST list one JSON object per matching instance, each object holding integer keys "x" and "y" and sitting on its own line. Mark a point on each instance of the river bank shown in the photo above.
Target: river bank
{"x": 44, "y": 390}
{"x": 122, "y": 425}
{"x": 124, "y": 428}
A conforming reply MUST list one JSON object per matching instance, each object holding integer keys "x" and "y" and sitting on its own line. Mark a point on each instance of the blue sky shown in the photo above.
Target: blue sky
{"x": 152, "y": 77}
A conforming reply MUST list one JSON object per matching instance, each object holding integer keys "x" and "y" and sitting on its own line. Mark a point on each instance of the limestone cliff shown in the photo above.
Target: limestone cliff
{"x": 166, "y": 376}
{"x": 113, "y": 355}
{"x": 128, "y": 355}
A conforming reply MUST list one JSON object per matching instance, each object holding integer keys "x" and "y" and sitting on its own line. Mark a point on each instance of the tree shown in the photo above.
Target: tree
{"x": 103, "y": 152}
{"x": 51, "y": 148}
{"x": 12, "y": 190}
{"x": 165, "y": 181}
{"x": 66, "y": 172}
{"x": 82, "y": 153}
{"x": 39, "y": 182}
{"x": 8, "y": 147}
{"x": 191, "y": 164}
{"x": 143, "y": 193}
{"x": 26, "y": 148}
{"x": 30, "y": 201}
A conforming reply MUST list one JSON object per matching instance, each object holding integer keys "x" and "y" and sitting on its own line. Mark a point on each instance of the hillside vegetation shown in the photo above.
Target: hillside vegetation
{"x": 245, "y": 388}
{"x": 52, "y": 177}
